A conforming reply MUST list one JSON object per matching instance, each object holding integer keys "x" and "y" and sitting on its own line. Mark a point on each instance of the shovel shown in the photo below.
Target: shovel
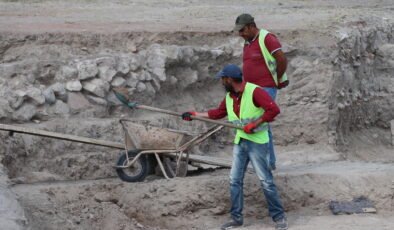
{"x": 122, "y": 95}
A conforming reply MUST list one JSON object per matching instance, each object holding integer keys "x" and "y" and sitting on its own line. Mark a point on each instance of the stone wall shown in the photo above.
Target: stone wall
{"x": 363, "y": 89}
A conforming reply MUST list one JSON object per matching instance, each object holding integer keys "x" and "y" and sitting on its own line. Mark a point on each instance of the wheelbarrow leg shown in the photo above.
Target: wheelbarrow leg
{"x": 178, "y": 163}
{"x": 161, "y": 166}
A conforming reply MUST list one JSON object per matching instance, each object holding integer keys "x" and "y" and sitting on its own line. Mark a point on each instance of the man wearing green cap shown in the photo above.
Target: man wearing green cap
{"x": 264, "y": 63}
{"x": 249, "y": 106}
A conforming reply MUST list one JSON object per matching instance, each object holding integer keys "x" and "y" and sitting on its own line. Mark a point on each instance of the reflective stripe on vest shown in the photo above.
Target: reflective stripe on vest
{"x": 248, "y": 112}
{"x": 270, "y": 61}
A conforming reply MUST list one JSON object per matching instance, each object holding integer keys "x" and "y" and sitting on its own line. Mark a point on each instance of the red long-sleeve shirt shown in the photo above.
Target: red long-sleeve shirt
{"x": 254, "y": 68}
{"x": 260, "y": 99}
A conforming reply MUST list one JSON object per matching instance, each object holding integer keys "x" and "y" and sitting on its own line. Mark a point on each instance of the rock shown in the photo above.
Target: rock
{"x": 173, "y": 80}
{"x": 74, "y": 86}
{"x": 113, "y": 99}
{"x": 149, "y": 89}
{"x": 17, "y": 98}
{"x": 132, "y": 80}
{"x": 135, "y": 62}
{"x": 118, "y": 81}
{"x": 60, "y": 91}
{"x": 144, "y": 76}
{"x": 123, "y": 65}
{"x": 104, "y": 197}
{"x": 66, "y": 73}
{"x": 187, "y": 55}
{"x": 386, "y": 56}
{"x": 156, "y": 56}
{"x": 97, "y": 100}
{"x": 5, "y": 108}
{"x": 96, "y": 86}
{"x": 107, "y": 73}
{"x": 159, "y": 73}
{"x": 49, "y": 95}
{"x": 25, "y": 113}
{"x": 219, "y": 210}
{"x": 61, "y": 108}
{"x": 9, "y": 70}
{"x": 156, "y": 84}
{"x": 131, "y": 47}
{"x": 36, "y": 96}
{"x": 77, "y": 102}
{"x": 87, "y": 69}
{"x": 46, "y": 71}
{"x": 301, "y": 66}
{"x": 341, "y": 106}
{"x": 173, "y": 53}
{"x": 288, "y": 49}
{"x": 141, "y": 87}
{"x": 216, "y": 53}
{"x": 392, "y": 131}
{"x": 106, "y": 61}
{"x": 187, "y": 77}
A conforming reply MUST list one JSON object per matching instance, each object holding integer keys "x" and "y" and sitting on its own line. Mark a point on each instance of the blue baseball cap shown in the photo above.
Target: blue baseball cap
{"x": 230, "y": 70}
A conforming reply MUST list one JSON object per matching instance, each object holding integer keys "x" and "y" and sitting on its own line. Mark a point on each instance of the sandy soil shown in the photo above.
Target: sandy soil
{"x": 176, "y": 15}
{"x": 308, "y": 175}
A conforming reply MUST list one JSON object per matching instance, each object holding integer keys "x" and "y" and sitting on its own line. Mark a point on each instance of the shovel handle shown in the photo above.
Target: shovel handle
{"x": 226, "y": 124}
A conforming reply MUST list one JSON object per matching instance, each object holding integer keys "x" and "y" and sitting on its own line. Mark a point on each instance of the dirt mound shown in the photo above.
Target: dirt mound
{"x": 201, "y": 201}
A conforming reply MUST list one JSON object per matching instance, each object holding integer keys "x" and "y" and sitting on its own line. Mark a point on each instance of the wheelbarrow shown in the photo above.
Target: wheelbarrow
{"x": 146, "y": 151}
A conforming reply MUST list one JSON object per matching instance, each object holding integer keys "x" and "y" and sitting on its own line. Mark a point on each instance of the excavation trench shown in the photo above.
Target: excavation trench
{"x": 61, "y": 82}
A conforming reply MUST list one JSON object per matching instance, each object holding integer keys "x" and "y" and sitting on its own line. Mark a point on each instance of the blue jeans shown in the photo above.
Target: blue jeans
{"x": 272, "y": 92}
{"x": 258, "y": 155}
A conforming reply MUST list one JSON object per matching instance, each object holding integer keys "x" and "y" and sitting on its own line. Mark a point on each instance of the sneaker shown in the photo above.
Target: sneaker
{"x": 281, "y": 224}
{"x": 231, "y": 224}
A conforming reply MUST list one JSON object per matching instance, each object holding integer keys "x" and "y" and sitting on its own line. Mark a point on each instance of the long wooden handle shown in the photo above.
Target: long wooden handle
{"x": 61, "y": 136}
{"x": 193, "y": 117}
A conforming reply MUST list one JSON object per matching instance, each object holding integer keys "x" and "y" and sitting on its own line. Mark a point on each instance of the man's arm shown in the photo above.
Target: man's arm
{"x": 219, "y": 112}
{"x": 281, "y": 63}
{"x": 275, "y": 48}
{"x": 214, "y": 114}
{"x": 263, "y": 100}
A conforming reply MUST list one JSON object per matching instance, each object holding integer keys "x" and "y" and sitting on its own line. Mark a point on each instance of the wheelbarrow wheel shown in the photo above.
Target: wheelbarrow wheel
{"x": 136, "y": 172}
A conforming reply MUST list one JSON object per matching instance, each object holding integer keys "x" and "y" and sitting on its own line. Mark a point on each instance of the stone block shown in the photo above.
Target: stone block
{"x": 392, "y": 131}
{"x": 49, "y": 95}
{"x": 60, "y": 91}
{"x": 106, "y": 73}
{"x": 36, "y": 96}
{"x": 77, "y": 102}
{"x": 74, "y": 86}
{"x": 87, "y": 69}
{"x": 96, "y": 86}
{"x": 66, "y": 73}
{"x": 118, "y": 81}
{"x": 25, "y": 113}
{"x": 123, "y": 65}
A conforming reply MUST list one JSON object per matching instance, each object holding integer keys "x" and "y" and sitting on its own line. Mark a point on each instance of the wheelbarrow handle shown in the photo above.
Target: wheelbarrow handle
{"x": 226, "y": 124}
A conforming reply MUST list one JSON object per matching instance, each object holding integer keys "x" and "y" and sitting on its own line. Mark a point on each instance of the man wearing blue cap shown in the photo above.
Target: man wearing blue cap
{"x": 247, "y": 105}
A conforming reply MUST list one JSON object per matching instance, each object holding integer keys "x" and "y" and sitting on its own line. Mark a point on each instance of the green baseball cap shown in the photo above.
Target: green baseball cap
{"x": 243, "y": 20}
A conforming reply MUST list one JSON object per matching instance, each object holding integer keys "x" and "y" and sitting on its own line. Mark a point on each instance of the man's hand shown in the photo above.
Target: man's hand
{"x": 249, "y": 127}
{"x": 283, "y": 84}
{"x": 187, "y": 115}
